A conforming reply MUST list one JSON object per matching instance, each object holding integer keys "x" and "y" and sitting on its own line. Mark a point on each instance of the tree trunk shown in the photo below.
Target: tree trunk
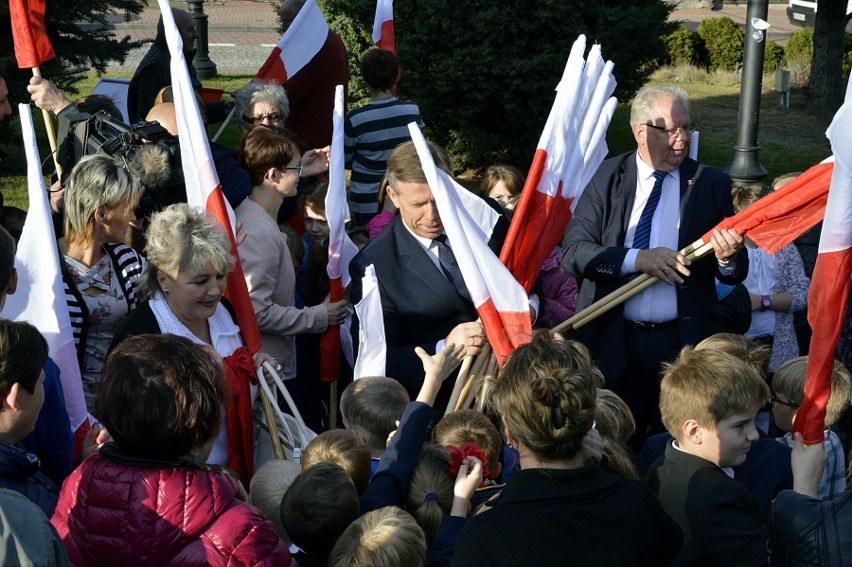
{"x": 826, "y": 90}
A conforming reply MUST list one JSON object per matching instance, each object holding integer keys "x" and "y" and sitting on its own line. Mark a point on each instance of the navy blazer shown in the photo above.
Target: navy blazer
{"x": 720, "y": 519}
{"x": 594, "y": 251}
{"x": 419, "y": 303}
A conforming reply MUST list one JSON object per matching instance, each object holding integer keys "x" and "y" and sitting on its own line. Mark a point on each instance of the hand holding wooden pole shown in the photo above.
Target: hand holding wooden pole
{"x": 694, "y": 251}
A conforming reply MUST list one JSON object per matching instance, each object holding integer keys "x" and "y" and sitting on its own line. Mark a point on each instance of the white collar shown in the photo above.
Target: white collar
{"x": 220, "y": 323}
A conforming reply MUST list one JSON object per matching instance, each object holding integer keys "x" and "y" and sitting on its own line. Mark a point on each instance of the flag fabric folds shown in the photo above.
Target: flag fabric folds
{"x": 203, "y": 190}
{"x": 775, "y": 220}
{"x": 341, "y": 249}
{"x": 383, "y": 34}
{"x": 299, "y": 44}
{"x": 40, "y": 297}
{"x": 202, "y": 182}
{"x": 830, "y": 281}
{"x": 32, "y": 47}
{"x": 571, "y": 147}
{"x": 500, "y": 301}
{"x": 372, "y": 349}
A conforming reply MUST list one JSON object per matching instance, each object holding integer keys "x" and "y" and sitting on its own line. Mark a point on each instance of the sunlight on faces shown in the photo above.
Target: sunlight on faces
{"x": 656, "y": 148}
{"x": 194, "y": 294}
{"x": 417, "y": 208}
{"x": 116, "y": 222}
{"x": 316, "y": 224}
{"x": 265, "y": 112}
{"x": 727, "y": 444}
{"x": 288, "y": 181}
{"x": 500, "y": 194}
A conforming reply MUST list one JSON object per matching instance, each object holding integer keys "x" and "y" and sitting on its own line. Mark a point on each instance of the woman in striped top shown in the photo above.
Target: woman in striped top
{"x": 99, "y": 270}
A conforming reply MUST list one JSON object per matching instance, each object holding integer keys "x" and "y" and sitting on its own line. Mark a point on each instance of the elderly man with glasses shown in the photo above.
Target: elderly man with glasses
{"x": 639, "y": 209}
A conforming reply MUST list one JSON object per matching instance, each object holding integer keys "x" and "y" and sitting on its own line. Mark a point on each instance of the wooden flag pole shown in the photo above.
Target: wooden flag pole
{"x": 51, "y": 134}
{"x": 461, "y": 378}
{"x": 694, "y": 251}
{"x": 272, "y": 424}
{"x": 224, "y": 124}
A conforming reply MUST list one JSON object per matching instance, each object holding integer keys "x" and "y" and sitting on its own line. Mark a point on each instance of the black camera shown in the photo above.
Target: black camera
{"x": 89, "y": 134}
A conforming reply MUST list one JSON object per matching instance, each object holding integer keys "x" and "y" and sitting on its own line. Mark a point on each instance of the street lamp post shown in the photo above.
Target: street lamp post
{"x": 204, "y": 66}
{"x": 745, "y": 166}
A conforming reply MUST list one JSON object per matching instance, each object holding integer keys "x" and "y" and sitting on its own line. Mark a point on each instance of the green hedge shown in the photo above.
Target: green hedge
{"x": 484, "y": 72}
{"x": 723, "y": 40}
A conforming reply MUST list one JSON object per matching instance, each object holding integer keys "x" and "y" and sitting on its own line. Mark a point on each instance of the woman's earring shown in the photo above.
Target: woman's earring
{"x": 165, "y": 290}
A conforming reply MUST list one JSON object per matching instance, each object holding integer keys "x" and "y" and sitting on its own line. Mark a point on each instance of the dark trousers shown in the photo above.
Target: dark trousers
{"x": 639, "y": 384}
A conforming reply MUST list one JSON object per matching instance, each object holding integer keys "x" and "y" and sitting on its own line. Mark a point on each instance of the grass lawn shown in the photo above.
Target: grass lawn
{"x": 791, "y": 139}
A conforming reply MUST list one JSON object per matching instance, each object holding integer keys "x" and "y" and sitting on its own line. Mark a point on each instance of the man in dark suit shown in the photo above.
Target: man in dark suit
{"x": 639, "y": 209}
{"x": 421, "y": 305}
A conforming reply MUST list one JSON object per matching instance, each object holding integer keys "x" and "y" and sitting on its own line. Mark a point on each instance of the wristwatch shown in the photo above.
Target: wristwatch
{"x": 765, "y": 302}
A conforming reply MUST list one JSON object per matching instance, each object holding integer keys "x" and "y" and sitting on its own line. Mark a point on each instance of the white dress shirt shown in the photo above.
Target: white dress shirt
{"x": 657, "y": 303}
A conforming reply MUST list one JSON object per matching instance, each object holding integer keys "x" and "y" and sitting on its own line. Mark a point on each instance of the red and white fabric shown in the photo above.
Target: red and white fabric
{"x": 383, "y": 33}
{"x": 40, "y": 297}
{"x": 571, "y": 147}
{"x": 468, "y": 222}
{"x": 341, "y": 249}
{"x": 299, "y": 44}
{"x": 830, "y": 281}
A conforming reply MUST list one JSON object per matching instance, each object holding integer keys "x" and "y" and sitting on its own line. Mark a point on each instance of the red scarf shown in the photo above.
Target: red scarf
{"x": 239, "y": 368}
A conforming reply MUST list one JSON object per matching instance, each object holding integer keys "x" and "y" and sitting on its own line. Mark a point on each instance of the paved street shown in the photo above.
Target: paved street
{"x": 243, "y": 32}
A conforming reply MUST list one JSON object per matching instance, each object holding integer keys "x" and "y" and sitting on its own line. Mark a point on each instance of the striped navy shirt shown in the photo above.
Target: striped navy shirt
{"x": 371, "y": 132}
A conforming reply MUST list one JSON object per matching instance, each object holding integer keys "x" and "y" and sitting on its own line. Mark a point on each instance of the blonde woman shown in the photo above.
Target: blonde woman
{"x": 100, "y": 272}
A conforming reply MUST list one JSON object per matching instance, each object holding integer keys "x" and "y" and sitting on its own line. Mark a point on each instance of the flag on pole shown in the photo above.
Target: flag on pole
{"x": 372, "y": 348}
{"x": 40, "y": 297}
{"x": 829, "y": 289}
{"x": 203, "y": 190}
{"x": 499, "y": 299}
{"x": 32, "y": 47}
{"x": 571, "y": 147}
{"x": 383, "y": 35}
{"x": 777, "y": 219}
{"x": 299, "y": 44}
{"x": 341, "y": 249}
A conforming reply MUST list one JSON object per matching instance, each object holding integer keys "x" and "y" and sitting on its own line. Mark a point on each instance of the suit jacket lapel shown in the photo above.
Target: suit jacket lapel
{"x": 625, "y": 192}
{"x": 417, "y": 262}
{"x": 688, "y": 184}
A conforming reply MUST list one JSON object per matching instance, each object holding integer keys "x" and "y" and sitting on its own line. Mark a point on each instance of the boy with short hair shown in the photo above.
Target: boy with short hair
{"x": 23, "y": 353}
{"x": 370, "y": 408}
{"x": 387, "y": 537}
{"x": 788, "y": 391}
{"x": 708, "y": 402}
{"x": 372, "y": 131}
{"x": 346, "y": 450}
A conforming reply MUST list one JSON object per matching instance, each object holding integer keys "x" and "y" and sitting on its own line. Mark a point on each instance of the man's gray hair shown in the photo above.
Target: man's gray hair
{"x": 644, "y": 104}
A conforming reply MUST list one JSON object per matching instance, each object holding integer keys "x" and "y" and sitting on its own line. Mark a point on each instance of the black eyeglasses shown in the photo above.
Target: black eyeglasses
{"x": 676, "y": 131}
{"x": 298, "y": 168}
{"x": 773, "y": 400}
{"x": 274, "y": 117}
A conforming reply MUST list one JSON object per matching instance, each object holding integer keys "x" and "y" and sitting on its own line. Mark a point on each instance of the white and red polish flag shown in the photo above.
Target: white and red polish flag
{"x": 468, "y": 221}
{"x": 830, "y": 281}
{"x": 341, "y": 249}
{"x": 383, "y": 35}
{"x": 571, "y": 147}
{"x": 40, "y": 297}
{"x": 299, "y": 44}
{"x": 202, "y": 182}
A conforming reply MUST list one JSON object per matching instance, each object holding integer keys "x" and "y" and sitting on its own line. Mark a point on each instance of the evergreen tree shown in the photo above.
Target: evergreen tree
{"x": 484, "y": 72}
{"x": 81, "y": 40}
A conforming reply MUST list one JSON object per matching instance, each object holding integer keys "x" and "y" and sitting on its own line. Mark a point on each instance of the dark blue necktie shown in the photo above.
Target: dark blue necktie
{"x": 642, "y": 236}
{"x": 450, "y": 267}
